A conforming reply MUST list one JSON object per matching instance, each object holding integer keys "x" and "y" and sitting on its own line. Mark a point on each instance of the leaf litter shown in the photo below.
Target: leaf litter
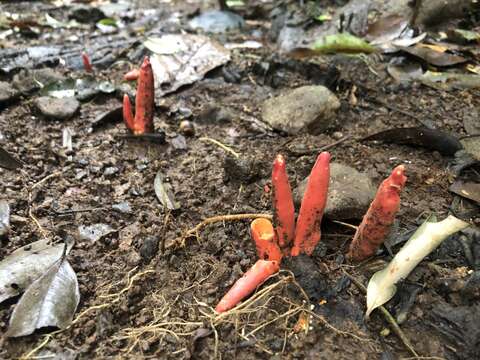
{"x": 27, "y": 264}
{"x": 50, "y": 301}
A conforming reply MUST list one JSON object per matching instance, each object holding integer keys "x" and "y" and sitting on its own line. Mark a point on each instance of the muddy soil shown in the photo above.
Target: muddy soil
{"x": 143, "y": 296}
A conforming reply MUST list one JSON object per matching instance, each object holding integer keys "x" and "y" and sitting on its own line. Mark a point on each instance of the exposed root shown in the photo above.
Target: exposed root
{"x": 194, "y": 232}
{"x": 223, "y": 146}
{"x": 116, "y": 297}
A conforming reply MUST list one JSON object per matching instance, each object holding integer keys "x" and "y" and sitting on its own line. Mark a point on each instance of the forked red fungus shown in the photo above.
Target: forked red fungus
{"x": 379, "y": 218}
{"x": 265, "y": 240}
{"x": 308, "y": 233}
{"x": 244, "y": 286}
{"x": 142, "y": 123}
{"x": 283, "y": 208}
{"x": 132, "y": 75}
{"x": 87, "y": 65}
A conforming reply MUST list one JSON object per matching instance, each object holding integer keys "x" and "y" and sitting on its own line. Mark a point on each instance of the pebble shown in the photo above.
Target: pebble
{"x": 57, "y": 109}
{"x": 186, "y": 128}
{"x": 349, "y": 194}
{"x": 111, "y": 170}
{"x": 310, "y": 108}
{"x": 7, "y": 92}
{"x": 94, "y": 232}
{"x": 216, "y": 21}
{"x": 122, "y": 207}
{"x": 149, "y": 248}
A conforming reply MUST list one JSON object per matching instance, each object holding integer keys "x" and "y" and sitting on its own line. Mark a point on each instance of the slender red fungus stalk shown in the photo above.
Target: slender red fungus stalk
{"x": 284, "y": 210}
{"x": 144, "y": 102}
{"x": 244, "y": 286}
{"x": 127, "y": 112}
{"x": 265, "y": 240}
{"x": 308, "y": 231}
{"x": 132, "y": 75}
{"x": 87, "y": 65}
{"x": 379, "y": 218}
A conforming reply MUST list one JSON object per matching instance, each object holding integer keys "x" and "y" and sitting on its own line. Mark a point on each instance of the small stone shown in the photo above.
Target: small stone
{"x": 244, "y": 170}
{"x": 472, "y": 146}
{"x": 94, "y": 232}
{"x": 185, "y": 112}
{"x": 122, "y": 207}
{"x": 149, "y": 248}
{"x": 186, "y": 128}
{"x": 111, "y": 170}
{"x": 86, "y": 14}
{"x": 310, "y": 108}
{"x": 7, "y": 93}
{"x": 349, "y": 193}
{"x": 57, "y": 109}
{"x": 337, "y": 135}
{"x": 217, "y": 21}
{"x": 27, "y": 81}
{"x": 179, "y": 142}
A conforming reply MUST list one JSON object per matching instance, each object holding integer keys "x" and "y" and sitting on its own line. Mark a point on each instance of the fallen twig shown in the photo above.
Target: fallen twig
{"x": 388, "y": 317}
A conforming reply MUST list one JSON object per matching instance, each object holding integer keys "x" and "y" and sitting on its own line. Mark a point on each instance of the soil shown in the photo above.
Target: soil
{"x": 143, "y": 299}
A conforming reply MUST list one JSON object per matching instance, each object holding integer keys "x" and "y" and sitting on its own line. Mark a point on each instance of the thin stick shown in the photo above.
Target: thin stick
{"x": 345, "y": 224}
{"x": 323, "y": 148}
{"x": 388, "y": 317}
{"x": 223, "y": 146}
{"x": 180, "y": 242}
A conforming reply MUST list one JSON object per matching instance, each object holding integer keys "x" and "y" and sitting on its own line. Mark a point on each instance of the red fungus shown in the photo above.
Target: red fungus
{"x": 379, "y": 218}
{"x": 283, "y": 208}
{"x": 144, "y": 102}
{"x": 87, "y": 65}
{"x": 247, "y": 284}
{"x": 132, "y": 75}
{"x": 308, "y": 231}
{"x": 265, "y": 239}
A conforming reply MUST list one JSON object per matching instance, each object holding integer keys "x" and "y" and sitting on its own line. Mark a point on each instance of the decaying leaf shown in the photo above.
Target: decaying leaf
{"x": 164, "y": 193}
{"x": 433, "y": 139}
{"x": 469, "y": 190}
{"x": 427, "y": 238}
{"x": 25, "y": 265}
{"x": 7, "y": 161}
{"x": 51, "y": 300}
{"x": 183, "y": 59}
{"x": 449, "y": 81}
{"x": 342, "y": 43}
{"x": 4, "y": 218}
{"x": 434, "y": 57}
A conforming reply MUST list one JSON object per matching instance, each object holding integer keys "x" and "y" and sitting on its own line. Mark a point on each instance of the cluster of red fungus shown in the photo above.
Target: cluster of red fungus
{"x": 288, "y": 238}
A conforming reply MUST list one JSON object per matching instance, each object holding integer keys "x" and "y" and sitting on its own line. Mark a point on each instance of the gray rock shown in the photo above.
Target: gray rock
{"x": 7, "y": 92}
{"x": 122, "y": 207}
{"x": 57, "y": 109}
{"x": 94, "y": 232}
{"x": 217, "y": 21}
{"x": 149, "y": 248}
{"x": 309, "y": 107}
{"x": 111, "y": 170}
{"x": 349, "y": 194}
{"x": 27, "y": 81}
{"x": 472, "y": 146}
